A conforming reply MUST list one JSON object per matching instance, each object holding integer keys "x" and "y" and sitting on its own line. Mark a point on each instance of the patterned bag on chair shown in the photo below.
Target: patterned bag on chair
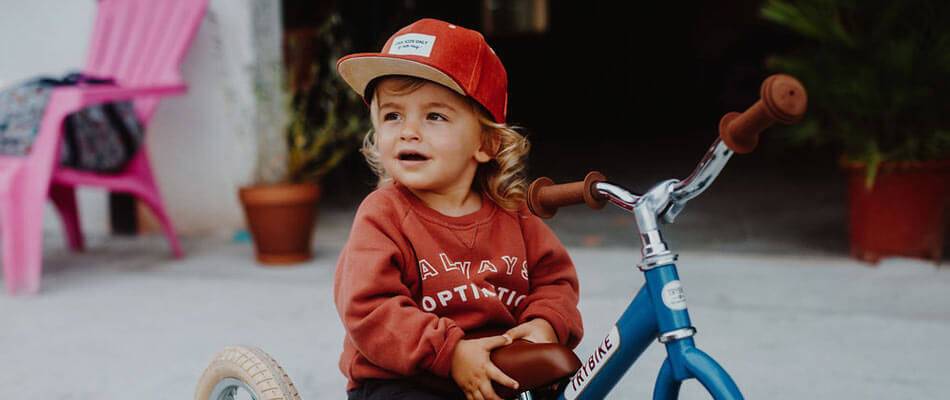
{"x": 21, "y": 109}
{"x": 99, "y": 138}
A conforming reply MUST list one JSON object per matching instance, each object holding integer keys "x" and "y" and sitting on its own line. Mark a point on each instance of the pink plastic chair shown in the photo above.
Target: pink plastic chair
{"x": 140, "y": 44}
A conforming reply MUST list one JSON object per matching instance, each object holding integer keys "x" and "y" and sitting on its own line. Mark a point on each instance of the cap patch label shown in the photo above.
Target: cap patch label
{"x": 413, "y": 44}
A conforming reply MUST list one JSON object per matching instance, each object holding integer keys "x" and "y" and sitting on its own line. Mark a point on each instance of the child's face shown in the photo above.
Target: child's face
{"x": 429, "y": 139}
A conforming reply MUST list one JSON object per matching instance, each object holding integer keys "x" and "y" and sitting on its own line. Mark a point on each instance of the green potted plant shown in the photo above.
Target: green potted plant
{"x": 878, "y": 79}
{"x": 325, "y": 124}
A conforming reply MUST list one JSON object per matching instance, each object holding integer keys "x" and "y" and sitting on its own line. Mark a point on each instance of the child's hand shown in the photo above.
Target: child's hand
{"x": 473, "y": 370}
{"x": 536, "y": 330}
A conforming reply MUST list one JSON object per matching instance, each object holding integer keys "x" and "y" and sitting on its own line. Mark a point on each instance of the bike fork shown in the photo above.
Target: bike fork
{"x": 702, "y": 367}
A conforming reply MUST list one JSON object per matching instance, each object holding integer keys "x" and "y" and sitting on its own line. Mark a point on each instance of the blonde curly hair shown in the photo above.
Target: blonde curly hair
{"x": 502, "y": 178}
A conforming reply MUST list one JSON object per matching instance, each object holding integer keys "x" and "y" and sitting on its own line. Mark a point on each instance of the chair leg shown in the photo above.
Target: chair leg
{"x": 146, "y": 190}
{"x": 64, "y": 197}
{"x": 21, "y": 222}
{"x": 153, "y": 202}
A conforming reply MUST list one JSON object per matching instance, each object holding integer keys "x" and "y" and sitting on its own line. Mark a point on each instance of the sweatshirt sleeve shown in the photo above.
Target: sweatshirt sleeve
{"x": 554, "y": 288}
{"x": 375, "y": 305}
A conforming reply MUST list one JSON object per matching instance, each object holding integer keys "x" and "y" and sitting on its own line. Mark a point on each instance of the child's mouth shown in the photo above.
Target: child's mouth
{"x": 412, "y": 157}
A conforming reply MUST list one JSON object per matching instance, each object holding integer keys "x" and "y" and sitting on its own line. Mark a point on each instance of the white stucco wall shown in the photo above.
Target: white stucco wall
{"x": 202, "y": 144}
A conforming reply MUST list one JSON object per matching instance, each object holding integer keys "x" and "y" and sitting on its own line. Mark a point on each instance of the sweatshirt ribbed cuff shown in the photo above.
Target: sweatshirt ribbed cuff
{"x": 553, "y": 317}
{"x": 442, "y": 365}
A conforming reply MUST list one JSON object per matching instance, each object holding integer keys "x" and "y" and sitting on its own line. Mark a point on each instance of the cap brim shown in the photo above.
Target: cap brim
{"x": 358, "y": 70}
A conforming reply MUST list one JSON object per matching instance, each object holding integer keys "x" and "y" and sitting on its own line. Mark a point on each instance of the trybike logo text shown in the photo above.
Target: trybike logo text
{"x": 582, "y": 378}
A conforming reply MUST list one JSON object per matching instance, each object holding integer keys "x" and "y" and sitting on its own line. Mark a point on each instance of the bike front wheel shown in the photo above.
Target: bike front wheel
{"x": 246, "y": 370}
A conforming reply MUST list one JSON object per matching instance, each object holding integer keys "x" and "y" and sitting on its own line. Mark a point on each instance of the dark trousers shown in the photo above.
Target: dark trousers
{"x": 397, "y": 389}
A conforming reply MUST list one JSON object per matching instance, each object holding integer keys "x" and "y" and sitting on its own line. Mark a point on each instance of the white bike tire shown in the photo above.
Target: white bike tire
{"x": 253, "y": 367}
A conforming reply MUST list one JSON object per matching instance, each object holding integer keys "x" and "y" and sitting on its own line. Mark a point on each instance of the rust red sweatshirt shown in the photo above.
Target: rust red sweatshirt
{"x": 411, "y": 282}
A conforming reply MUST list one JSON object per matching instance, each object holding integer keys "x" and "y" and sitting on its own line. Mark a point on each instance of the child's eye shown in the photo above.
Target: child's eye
{"x": 391, "y": 116}
{"x": 436, "y": 117}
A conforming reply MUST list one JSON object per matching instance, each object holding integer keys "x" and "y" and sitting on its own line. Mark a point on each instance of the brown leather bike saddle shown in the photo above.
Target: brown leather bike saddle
{"x": 536, "y": 366}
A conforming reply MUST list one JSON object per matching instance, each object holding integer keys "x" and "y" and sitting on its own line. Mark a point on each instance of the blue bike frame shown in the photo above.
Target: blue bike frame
{"x": 659, "y": 309}
{"x": 659, "y": 306}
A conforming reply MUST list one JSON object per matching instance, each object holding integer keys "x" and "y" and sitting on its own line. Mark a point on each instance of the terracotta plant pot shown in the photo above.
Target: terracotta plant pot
{"x": 281, "y": 219}
{"x": 903, "y": 214}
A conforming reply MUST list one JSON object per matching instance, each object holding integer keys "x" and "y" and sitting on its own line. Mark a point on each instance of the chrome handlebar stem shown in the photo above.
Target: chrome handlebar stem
{"x": 666, "y": 200}
{"x": 702, "y": 177}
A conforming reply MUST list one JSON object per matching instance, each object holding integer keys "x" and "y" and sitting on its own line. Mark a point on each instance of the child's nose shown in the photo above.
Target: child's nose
{"x": 410, "y": 131}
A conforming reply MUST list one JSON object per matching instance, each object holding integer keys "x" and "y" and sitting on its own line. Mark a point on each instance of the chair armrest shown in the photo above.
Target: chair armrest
{"x": 106, "y": 93}
{"x": 67, "y": 99}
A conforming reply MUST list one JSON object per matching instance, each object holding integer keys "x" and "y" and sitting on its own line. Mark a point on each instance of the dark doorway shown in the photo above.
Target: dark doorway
{"x": 623, "y": 89}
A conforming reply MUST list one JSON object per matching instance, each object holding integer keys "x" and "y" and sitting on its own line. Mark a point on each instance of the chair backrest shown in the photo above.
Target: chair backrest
{"x": 142, "y": 42}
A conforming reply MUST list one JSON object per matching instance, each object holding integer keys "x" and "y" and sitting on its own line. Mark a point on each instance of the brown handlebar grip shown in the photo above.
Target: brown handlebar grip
{"x": 784, "y": 100}
{"x": 544, "y": 197}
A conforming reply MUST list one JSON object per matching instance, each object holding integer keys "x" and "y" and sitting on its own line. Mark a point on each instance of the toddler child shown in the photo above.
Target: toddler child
{"x": 444, "y": 262}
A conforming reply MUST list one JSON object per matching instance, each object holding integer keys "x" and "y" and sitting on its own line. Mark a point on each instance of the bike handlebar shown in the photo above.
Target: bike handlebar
{"x": 783, "y": 99}
{"x": 545, "y": 197}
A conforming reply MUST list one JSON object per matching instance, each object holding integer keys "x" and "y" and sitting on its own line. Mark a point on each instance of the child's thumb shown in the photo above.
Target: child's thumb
{"x": 498, "y": 341}
{"x": 516, "y": 332}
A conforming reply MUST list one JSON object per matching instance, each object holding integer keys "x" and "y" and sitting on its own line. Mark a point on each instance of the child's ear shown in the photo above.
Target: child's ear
{"x": 487, "y": 150}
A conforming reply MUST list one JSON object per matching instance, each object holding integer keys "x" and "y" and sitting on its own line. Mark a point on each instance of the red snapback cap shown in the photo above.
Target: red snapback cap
{"x": 435, "y": 50}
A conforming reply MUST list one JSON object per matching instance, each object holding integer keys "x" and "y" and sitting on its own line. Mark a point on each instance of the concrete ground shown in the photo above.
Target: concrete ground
{"x": 123, "y": 320}
{"x": 763, "y": 260}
